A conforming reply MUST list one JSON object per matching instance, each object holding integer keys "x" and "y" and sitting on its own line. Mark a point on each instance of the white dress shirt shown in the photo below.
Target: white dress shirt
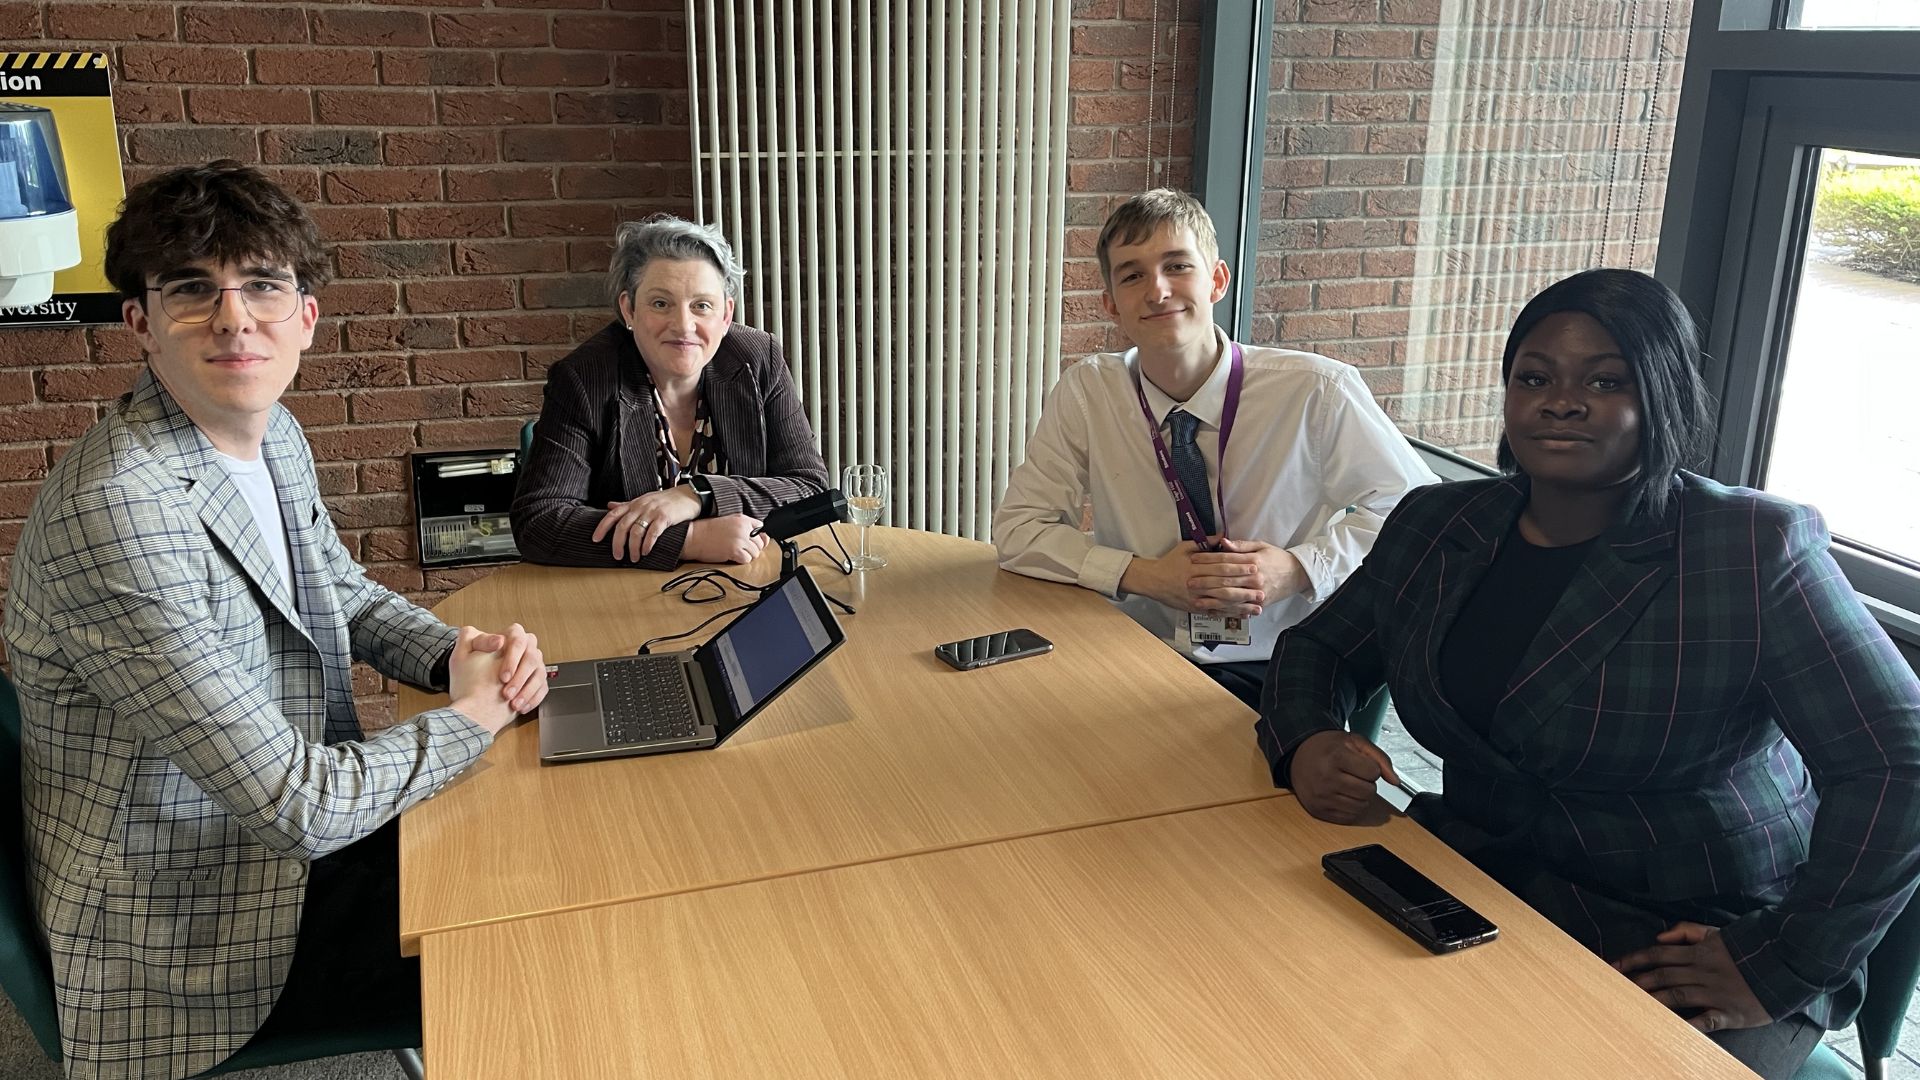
{"x": 1308, "y": 442}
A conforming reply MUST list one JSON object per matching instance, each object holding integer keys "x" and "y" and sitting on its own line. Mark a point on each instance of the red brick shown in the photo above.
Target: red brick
{"x": 406, "y": 403}
{"x": 496, "y": 185}
{"x": 390, "y": 475}
{"x": 464, "y": 294}
{"x": 1084, "y": 75}
{"x": 1410, "y": 12}
{"x": 360, "y": 298}
{"x": 577, "y": 291}
{"x": 1407, "y": 75}
{"x": 509, "y": 257}
{"x": 315, "y": 67}
{"x": 1352, "y": 11}
{"x": 1387, "y": 264}
{"x": 1122, "y": 41}
{"x": 1315, "y": 327}
{"x": 608, "y": 181}
{"x": 93, "y": 382}
{"x": 346, "y": 26}
{"x": 301, "y": 183}
{"x": 15, "y": 501}
{"x": 242, "y": 25}
{"x": 470, "y": 108}
{"x": 16, "y": 387}
{"x": 388, "y": 545}
{"x": 360, "y": 442}
{"x": 178, "y": 64}
{"x": 110, "y": 22}
{"x": 450, "y": 433}
{"x": 584, "y": 107}
{"x": 19, "y": 22}
{"x": 329, "y": 146}
{"x": 253, "y": 105}
{"x": 1385, "y": 44}
{"x": 190, "y": 145}
{"x": 401, "y": 579}
{"x": 556, "y": 69}
{"x": 383, "y": 185}
{"x": 618, "y": 33}
{"x": 1111, "y": 108}
{"x": 557, "y": 144}
{"x": 322, "y": 410}
{"x": 1321, "y": 265}
{"x": 392, "y": 261}
{"x": 31, "y": 423}
{"x": 468, "y": 366}
{"x": 418, "y": 222}
{"x": 134, "y": 103}
{"x": 512, "y": 399}
{"x": 23, "y": 463}
{"x": 441, "y": 67}
{"x": 647, "y": 72}
{"x": 489, "y": 30}
{"x": 1367, "y": 172}
{"x": 32, "y": 347}
{"x": 350, "y": 372}
{"x": 374, "y": 108}
{"x": 439, "y": 147}
{"x": 370, "y": 511}
{"x": 387, "y": 335}
{"x": 1332, "y": 75}
{"x": 650, "y": 144}
{"x": 589, "y": 255}
{"x": 561, "y": 219}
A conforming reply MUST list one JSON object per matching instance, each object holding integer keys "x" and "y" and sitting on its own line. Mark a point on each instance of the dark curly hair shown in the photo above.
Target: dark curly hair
{"x": 223, "y": 211}
{"x": 1661, "y": 342}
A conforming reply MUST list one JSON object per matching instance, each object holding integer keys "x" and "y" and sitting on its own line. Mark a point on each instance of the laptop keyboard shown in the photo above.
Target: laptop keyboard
{"x": 645, "y": 700}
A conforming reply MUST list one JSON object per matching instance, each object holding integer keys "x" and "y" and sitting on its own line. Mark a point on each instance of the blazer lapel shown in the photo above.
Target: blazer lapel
{"x": 211, "y": 490}
{"x": 320, "y": 618}
{"x": 738, "y": 419}
{"x": 1602, "y": 603}
{"x": 635, "y": 431}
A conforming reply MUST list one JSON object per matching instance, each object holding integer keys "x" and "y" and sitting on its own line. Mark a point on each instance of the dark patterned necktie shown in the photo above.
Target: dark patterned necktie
{"x": 1187, "y": 464}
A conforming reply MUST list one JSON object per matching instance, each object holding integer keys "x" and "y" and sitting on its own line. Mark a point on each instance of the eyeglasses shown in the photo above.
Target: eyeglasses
{"x": 193, "y": 300}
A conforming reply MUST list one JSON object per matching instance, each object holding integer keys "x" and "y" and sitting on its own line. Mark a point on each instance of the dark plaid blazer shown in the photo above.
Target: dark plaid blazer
{"x": 596, "y": 441}
{"x": 1650, "y": 760}
{"x": 188, "y": 736}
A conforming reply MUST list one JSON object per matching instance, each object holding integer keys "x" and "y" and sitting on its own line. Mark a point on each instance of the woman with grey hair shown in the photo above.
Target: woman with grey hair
{"x": 667, "y": 436}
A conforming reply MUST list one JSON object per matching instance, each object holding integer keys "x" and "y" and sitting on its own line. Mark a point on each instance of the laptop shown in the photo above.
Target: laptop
{"x": 691, "y": 700}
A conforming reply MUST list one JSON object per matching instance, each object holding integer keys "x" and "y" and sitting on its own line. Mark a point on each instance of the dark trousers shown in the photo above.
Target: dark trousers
{"x": 347, "y": 967}
{"x": 1776, "y": 1051}
{"x": 1243, "y": 679}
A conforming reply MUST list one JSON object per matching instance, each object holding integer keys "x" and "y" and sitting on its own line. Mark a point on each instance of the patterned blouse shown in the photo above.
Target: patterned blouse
{"x": 708, "y": 457}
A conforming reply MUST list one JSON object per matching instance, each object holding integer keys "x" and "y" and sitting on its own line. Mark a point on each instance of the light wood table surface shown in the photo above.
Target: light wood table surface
{"x": 880, "y": 751}
{"x": 1200, "y": 944}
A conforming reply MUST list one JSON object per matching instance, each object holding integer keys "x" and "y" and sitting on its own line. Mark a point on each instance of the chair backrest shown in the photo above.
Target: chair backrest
{"x": 25, "y": 971}
{"x": 526, "y": 442}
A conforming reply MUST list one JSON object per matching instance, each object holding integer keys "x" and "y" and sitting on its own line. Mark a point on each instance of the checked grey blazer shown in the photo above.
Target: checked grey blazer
{"x": 189, "y": 741}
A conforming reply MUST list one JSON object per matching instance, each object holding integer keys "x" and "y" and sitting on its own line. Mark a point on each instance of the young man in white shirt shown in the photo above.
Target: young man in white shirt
{"x": 1216, "y": 563}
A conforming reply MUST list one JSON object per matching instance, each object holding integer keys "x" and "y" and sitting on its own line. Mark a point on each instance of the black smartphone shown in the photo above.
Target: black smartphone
{"x": 1407, "y": 898}
{"x": 970, "y": 653}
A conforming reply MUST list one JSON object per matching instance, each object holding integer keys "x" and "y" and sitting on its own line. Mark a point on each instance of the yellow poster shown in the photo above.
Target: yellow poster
{"x": 70, "y": 93}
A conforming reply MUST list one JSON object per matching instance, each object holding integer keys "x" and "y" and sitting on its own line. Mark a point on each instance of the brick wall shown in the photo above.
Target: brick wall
{"x": 1546, "y": 155}
{"x": 467, "y": 160}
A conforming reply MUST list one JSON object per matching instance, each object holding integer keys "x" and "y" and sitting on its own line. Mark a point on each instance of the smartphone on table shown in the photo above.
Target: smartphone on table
{"x": 1408, "y": 899}
{"x": 969, "y": 653}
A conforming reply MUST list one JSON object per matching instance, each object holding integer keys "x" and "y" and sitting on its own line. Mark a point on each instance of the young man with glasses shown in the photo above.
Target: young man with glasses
{"x": 210, "y": 829}
{"x": 1214, "y": 545}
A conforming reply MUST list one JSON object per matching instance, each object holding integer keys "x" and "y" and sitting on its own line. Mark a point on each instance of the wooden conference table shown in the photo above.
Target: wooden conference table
{"x": 1068, "y": 866}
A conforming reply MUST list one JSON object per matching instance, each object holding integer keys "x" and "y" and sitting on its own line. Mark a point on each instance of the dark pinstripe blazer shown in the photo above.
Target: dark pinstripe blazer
{"x": 595, "y": 444}
{"x": 189, "y": 742}
{"x": 1650, "y": 760}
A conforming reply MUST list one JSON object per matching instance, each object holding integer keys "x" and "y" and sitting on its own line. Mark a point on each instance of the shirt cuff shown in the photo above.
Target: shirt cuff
{"x": 1319, "y": 567}
{"x": 1102, "y": 570}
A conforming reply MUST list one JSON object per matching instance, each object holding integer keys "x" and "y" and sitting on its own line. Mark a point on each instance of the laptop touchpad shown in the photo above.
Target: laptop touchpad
{"x": 570, "y": 700}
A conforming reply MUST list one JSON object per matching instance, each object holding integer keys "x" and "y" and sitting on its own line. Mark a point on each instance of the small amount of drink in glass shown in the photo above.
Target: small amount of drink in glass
{"x": 866, "y": 490}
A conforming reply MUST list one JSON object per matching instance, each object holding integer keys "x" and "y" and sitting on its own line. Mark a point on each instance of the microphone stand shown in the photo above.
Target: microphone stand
{"x": 790, "y": 563}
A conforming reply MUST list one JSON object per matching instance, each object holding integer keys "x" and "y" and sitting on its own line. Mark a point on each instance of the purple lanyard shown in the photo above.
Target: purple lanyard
{"x": 1182, "y": 505}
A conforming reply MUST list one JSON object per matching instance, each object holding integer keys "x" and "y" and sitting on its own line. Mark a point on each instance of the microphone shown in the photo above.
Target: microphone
{"x": 786, "y": 522}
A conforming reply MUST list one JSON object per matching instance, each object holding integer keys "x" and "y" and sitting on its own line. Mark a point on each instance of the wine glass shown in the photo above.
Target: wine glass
{"x": 866, "y": 490}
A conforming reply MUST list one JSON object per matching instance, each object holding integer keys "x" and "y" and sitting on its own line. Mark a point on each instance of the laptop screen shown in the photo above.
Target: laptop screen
{"x": 768, "y": 645}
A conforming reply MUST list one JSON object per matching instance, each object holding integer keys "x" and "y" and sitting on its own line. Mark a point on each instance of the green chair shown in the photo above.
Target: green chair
{"x": 1892, "y": 970}
{"x": 526, "y": 441}
{"x": 26, "y": 972}
{"x": 1371, "y": 716}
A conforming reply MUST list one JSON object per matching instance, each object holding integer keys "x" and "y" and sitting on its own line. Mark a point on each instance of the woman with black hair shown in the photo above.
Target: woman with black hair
{"x": 1631, "y": 671}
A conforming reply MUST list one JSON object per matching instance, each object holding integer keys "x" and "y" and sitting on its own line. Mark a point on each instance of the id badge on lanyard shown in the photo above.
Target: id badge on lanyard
{"x": 1204, "y": 630}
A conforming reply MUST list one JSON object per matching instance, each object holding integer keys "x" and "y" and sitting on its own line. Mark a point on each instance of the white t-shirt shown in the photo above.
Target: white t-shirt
{"x": 256, "y": 486}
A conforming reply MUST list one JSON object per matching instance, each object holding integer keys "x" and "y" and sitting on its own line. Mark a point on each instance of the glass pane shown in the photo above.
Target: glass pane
{"x": 1845, "y": 438}
{"x": 1855, "y": 15}
{"x": 1431, "y": 166}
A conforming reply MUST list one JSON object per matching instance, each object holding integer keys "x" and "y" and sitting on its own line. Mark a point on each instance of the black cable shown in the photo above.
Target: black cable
{"x": 691, "y": 581}
{"x": 651, "y": 642}
{"x": 844, "y": 563}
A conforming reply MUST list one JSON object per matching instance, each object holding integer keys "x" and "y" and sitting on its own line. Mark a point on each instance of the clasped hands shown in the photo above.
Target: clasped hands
{"x": 493, "y": 678}
{"x": 635, "y": 525}
{"x": 1238, "y": 577}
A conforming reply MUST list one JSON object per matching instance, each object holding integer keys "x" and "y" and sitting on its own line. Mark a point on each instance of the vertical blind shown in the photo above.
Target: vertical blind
{"x": 892, "y": 174}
